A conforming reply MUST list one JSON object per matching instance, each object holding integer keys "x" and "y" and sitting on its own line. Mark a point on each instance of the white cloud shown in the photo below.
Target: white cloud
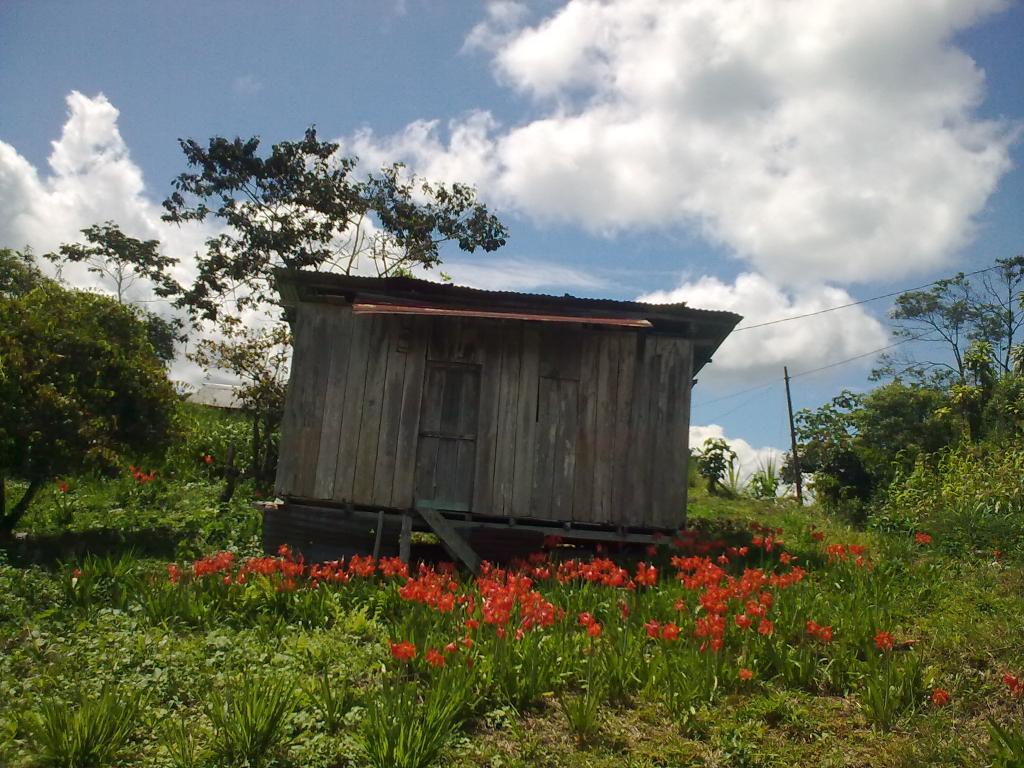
{"x": 516, "y": 274}
{"x": 818, "y": 141}
{"x": 748, "y": 458}
{"x": 758, "y": 354}
{"x": 91, "y": 179}
{"x": 246, "y": 85}
{"x": 503, "y": 18}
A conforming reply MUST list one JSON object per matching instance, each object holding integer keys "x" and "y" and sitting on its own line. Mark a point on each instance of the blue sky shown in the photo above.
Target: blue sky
{"x": 766, "y": 158}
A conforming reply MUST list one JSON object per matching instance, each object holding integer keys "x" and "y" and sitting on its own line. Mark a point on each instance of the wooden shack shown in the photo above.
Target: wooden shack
{"x": 492, "y": 417}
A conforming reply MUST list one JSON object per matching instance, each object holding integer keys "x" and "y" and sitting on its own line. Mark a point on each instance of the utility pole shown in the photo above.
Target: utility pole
{"x": 792, "y": 437}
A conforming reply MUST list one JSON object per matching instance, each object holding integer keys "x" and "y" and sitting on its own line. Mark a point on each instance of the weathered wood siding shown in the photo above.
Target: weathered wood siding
{"x": 497, "y": 417}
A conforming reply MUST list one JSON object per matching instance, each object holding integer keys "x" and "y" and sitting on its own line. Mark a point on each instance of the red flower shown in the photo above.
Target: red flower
{"x": 594, "y": 630}
{"x": 818, "y": 536}
{"x": 585, "y": 619}
{"x": 208, "y": 459}
{"x": 924, "y": 538}
{"x": 940, "y": 697}
{"x": 403, "y": 651}
{"x": 884, "y": 641}
{"x": 745, "y": 674}
{"x": 653, "y": 628}
{"x": 1014, "y": 683}
{"x": 63, "y": 487}
{"x": 766, "y": 628}
{"x": 435, "y": 658}
{"x": 670, "y": 632}
{"x": 451, "y": 648}
{"x": 742, "y": 621}
{"x": 472, "y": 625}
{"x": 173, "y": 573}
{"x": 77, "y": 573}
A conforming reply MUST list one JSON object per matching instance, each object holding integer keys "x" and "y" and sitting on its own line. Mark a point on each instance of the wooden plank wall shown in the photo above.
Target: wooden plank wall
{"x": 574, "y": 424}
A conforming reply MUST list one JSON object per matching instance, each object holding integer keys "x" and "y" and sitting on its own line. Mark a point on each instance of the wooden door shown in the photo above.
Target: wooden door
{"x": 446, "y": 450}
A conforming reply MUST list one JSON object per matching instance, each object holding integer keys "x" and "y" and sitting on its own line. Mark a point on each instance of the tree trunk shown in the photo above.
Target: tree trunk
{"x": 10, "y": 519}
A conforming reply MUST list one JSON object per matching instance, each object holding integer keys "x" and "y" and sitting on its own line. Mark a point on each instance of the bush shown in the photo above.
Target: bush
{"x": 971, "y": 497}
{"x": 80, "y": 387}
{"x": 90, "y": 734}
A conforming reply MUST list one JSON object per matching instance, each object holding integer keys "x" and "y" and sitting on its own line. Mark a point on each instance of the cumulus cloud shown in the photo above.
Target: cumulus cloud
{"x": 759, "y": 353}
{"x": 91, "y": 179}
{"x": 815, "y": 140}
{"x": 748, "y": 458}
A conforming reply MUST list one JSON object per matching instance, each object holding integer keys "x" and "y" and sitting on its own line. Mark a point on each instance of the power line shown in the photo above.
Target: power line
{"x": 775, "y": 382}
{"x": 858, "y": 303}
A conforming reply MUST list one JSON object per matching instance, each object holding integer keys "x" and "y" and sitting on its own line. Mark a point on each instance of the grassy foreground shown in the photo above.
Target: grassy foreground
{"x": 793, "y": 642}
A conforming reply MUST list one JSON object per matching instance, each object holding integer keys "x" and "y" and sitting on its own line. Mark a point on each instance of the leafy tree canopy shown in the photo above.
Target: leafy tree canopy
{"x": 302, "y": 207}
{"x": 121, "y": 259}
{"x": 80, "y": 387}
{"x": 957, "y": 313}
{"x": 18, "y": 273}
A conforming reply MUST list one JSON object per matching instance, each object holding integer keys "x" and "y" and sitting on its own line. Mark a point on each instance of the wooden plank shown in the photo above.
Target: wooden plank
{"x": 609, "y": 349}
{"x": 545, "y": 451}
{"x": 622, "y": 462}
{"x": 563, "y": 464}
{"x": 469, "y": 417}
{"x": 641, "y": 427}
{"x": 287, "y": 463}
{"x": 583, "y": 507}
{"x": 503, "y": 475}
{"x": 355, "y": 386}
{"x": 403, "y": 487}
{"x": 490, "y": 356}
{"x": 373, "y": 400}
{"x": 340, "y": 342}
{"x": 426, "y": 463}
{"x": 391, "y": 415}
{"x": 663, "y": 452}
{"x": 311, "y": 405}
{"x": 683, "y": 426}
{"x": 457, "y": 546}
{"x": 526, "y": 422}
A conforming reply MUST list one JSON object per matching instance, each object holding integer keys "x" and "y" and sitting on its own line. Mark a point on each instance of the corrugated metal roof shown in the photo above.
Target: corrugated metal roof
{"x": 412, "y": 288}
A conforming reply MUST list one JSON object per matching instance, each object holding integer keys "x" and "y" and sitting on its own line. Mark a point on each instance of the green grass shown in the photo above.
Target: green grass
{"x": 67, "y": 639}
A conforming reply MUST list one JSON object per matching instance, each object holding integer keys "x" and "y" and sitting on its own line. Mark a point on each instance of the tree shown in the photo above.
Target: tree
{"x": 124, "y": 260}
{"x": 856, "y": 444}
{"x": 714, "y": 460}
{"x": 121, "y": 259}
{"x": 18, "y": 273}
{"x": 80, "y": 386}
{"x": 956, "y": 313}
{"x": 301, "y": 207}
{"x": 258, "y": 357}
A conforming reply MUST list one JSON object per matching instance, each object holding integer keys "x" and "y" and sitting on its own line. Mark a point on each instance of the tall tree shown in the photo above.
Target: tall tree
{"x": 302, "y": 207}
{"x": 121, "y": 259}
{"x": 960, "y": 314}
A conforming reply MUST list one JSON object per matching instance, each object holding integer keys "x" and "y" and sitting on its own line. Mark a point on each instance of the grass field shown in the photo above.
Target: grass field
{"x": 196, "y": 650}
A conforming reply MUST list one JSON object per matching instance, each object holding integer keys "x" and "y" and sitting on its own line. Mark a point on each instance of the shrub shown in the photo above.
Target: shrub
{"x": 970, "y": 497}
{"x": 250, "y": 720}
{"x": 90, "y": 734}
{"x": 403, "y": 730}
{"x": 80, "y": 387}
